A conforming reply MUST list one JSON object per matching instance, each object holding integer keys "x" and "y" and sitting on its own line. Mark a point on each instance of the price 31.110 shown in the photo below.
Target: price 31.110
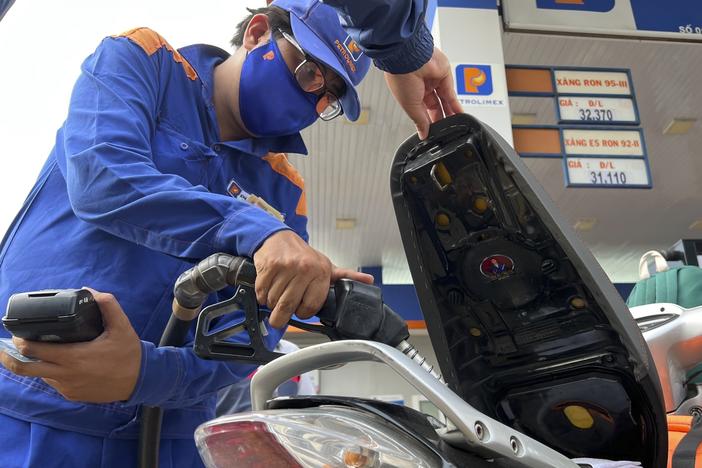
{"x": 607, "y": 178}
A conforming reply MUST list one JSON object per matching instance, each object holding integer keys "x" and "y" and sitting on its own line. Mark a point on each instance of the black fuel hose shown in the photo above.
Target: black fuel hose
{"x": 212, "y": 274}
{"x": 152, "y": 416}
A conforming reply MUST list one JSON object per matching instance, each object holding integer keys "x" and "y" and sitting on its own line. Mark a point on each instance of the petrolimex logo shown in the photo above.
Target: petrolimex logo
{"x": 474, "y": 79}
{"x": 353, "y": 48}
{"x": 582, "y": 5}
{"x": 346, "y": 54}
{"x": 475, "y": 87}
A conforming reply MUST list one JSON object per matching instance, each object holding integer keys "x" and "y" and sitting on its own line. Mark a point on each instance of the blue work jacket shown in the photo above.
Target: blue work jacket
{"x": 133, "y": 193}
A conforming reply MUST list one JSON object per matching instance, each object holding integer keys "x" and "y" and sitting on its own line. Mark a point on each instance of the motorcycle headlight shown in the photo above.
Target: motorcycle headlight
{"x": 324, "y": 437}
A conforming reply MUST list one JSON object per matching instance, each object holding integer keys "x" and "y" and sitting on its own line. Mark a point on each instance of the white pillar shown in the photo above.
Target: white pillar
{"x": 469, "y": 33}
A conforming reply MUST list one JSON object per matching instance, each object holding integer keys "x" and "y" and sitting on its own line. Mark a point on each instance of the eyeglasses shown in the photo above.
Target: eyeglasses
{"x": 310, "y": 76}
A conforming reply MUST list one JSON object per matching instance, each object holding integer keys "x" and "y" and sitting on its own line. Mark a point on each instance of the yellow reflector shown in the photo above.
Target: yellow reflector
{"x": 480, "y": 205}
{"x": 442, "y": 174}
{"x": 579, "y": 417}
{"x": 578, "y": 303}
{"x": 443, "y": 220}
{"x": 475, "y": 332}
{"x": 364, "y": 458}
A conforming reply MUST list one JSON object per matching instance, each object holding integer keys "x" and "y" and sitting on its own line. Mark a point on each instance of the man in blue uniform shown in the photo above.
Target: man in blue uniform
{"x": 139, "y": 186}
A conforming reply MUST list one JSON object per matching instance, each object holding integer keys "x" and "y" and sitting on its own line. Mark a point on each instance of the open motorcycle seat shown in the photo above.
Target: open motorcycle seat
{"x": 526, "y": 326}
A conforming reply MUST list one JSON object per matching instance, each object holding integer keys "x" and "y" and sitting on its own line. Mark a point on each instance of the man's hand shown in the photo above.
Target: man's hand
{"x": 293, "y": 278}
{"x": 426, "y": 94}
{"x": 103, "y": 370}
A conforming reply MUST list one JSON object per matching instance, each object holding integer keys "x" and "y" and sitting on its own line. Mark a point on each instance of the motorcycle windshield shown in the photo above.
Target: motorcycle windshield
{"x": 526, "y": 326}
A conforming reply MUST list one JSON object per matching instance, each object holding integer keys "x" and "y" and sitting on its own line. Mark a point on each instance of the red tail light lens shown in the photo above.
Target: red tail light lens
{"x": 244, "y": 444}
{"x": 323, "y": 437}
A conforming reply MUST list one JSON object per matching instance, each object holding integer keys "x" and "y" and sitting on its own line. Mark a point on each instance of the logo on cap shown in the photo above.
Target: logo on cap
{"x": 474, "y": 79}
{"x": 353, "y": 48}
{"x": 346, "y": 55}
{"x": 497, "y": 266}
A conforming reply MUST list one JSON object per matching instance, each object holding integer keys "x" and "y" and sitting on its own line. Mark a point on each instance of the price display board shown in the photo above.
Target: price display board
{"x": 597, "y": 110}
{"x": 600, "y": 143}
{"x": 659, "y": 19}
{"x": 607, "y": 172}
{"x": 590, "y": 142}
{"x": 592, "y": 82}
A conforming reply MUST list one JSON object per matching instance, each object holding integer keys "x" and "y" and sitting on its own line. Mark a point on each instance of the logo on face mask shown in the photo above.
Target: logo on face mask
{"x": 353, "y": 48}
{"x": 270, "y": 55}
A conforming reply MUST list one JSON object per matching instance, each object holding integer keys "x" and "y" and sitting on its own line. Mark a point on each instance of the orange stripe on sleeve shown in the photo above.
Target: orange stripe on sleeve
{"x": 416, "y": 324}
{"x": 280, "y": 164}
{"x": 151, "y": 42}
{"x": 301, "y": 209}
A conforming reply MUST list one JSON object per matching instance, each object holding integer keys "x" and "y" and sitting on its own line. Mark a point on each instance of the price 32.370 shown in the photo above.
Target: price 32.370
{"x": 596, "y": 115}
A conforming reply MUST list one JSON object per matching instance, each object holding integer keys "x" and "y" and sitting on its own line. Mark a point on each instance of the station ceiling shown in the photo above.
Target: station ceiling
{"x": 347, "y": 172}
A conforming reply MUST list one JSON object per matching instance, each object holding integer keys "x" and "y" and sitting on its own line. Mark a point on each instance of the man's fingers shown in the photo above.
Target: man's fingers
{"x": 264, "y": 278}
{"x": 112, "y": 313}
{"x": 448, "y": 97}
{"x": 408, "y": 90}
{"x": 314, "y": 298}
{"x": 339, "y": 273}
{"x": 278, "y": 287}
{"x": 29, "y": 369}
{"x": 442, "y": 76}
{"x": 47, "y": 352}
{"x": 287, "y": 304}
{"x": 423, "y": 125}
{"x": 431, "y": 100}
{"x": 286, "y": 266}
{"x": 419, "y": 115}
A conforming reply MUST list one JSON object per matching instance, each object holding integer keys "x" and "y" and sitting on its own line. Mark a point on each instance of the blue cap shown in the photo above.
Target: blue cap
{"x": 317, "y": 29}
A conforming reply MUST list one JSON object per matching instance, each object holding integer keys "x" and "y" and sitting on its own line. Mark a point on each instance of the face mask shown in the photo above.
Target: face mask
{"x": 270, "y": 100}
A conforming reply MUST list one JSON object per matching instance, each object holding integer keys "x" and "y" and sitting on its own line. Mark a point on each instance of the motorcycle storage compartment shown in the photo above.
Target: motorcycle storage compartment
{"x": 525, "y": 324}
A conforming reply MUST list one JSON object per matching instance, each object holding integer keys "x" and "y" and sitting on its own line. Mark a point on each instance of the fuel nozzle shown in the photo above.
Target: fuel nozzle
{"x": 356, "y": 310}
{"x": 352, "y": 310}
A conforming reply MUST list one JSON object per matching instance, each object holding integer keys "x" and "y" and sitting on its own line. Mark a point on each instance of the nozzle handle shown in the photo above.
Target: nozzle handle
{"x": 355, "y": 310}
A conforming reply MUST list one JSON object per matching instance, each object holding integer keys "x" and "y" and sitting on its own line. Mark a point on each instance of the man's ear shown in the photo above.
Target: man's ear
{"x": 257, "y": 32}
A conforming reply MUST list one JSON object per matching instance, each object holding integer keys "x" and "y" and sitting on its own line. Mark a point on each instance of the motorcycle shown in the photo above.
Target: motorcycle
{"x": 542, "y": 363}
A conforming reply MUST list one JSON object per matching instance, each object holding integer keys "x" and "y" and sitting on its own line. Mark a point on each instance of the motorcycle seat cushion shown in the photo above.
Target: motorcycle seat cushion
{"x": 681, "y": 286}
